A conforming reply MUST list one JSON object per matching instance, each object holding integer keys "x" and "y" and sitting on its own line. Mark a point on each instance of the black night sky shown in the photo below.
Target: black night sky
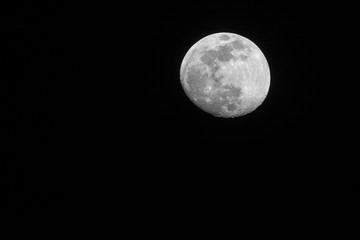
{"x": 292, "y": 113}
{"x": 92, "y": 105}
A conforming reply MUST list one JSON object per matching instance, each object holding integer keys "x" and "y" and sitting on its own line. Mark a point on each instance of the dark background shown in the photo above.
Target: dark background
{"x": 302, "y": 122}
{"x": 93, "y": 112}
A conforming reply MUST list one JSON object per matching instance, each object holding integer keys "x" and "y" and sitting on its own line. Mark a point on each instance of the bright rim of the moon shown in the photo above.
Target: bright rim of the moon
{"x": 226, "y": 75}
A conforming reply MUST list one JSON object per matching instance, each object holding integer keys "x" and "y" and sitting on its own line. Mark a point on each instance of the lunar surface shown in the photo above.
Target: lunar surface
{"x": 225, "y": 75}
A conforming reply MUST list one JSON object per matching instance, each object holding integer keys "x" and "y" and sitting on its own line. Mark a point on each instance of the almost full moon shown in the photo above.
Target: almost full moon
{"x": 226, "y": 75}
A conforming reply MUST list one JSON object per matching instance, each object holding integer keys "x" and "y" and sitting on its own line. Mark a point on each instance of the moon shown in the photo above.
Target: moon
{"x": 225, "y": 75}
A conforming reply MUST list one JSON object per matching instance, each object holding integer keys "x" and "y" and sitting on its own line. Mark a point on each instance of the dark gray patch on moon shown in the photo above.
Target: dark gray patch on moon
{"x": 240, "y": 46}
{"x": 209, "y": 57}
{"x": 224, "y": 54}
{"x": 237, "y": 44}
{"x": 243, "y": 57}
{"x": 224, "y": 37}
{"x": 231, "y": 107}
